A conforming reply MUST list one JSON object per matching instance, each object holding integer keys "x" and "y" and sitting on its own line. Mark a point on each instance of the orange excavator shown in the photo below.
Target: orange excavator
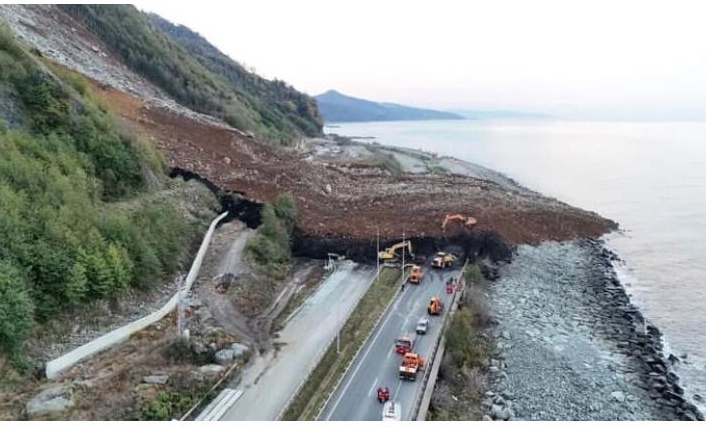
{"x": 468, "y": 222}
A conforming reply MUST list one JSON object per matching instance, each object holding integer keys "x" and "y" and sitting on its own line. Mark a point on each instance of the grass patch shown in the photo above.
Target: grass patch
{"x": 310, "y": 399}
{"x": 170, "y": 405}
{"x": 437, "y": 169}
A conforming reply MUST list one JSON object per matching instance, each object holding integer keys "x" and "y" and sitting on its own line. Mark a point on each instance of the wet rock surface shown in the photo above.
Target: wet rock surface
{"x": 571, "y": 346}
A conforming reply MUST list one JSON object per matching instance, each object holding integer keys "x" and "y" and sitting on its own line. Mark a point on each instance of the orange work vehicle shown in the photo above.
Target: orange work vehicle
{"x": 435, "y": 306}
{"x": 411, "y": 364}
{"x": 416, "y": 275}
{"x": 467, "y": 221}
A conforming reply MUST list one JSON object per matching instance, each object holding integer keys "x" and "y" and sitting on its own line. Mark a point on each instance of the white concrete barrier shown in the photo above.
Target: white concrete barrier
{"x": 55, "y": 367}
{"x": 220, "y": 405}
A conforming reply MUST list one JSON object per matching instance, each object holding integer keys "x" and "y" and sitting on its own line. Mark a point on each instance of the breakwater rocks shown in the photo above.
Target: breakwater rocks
{"x": 571, "y": 346}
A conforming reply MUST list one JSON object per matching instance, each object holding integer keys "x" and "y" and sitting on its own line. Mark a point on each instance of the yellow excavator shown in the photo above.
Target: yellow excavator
{"x": 390, "y": 253}
{"x": 467, "y": 221}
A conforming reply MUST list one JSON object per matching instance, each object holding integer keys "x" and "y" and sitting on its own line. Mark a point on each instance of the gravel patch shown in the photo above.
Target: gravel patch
{"x": 570, "y": 346}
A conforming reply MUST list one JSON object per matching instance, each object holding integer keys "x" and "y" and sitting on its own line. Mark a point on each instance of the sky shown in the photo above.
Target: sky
{"x": 584, "y": 59}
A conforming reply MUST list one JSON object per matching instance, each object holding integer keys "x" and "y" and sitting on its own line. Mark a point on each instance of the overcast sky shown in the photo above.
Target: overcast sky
{"x": 592, "y": 59}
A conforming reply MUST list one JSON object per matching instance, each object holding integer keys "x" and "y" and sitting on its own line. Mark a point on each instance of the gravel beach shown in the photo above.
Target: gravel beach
{"x": 570, "y": 346}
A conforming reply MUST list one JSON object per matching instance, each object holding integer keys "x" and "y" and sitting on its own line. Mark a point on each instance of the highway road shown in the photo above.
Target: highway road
{"x": 270, "y": 381}
{"x": 377, "y": 365}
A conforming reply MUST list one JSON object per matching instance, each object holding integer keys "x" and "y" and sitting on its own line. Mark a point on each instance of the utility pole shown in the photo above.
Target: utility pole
{"x": 181, "y": 324}
{"x": 377, "y": 259}
{"x": 338, "y": 325}
{"x": 403, "y": 249}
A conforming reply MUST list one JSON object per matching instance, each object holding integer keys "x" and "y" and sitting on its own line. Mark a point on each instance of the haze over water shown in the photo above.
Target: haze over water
{"x": 648, "y": 177}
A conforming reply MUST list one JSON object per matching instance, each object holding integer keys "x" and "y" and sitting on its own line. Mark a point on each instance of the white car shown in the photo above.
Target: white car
{"x": 392, "y": 411}
{"x": 423, "y": 325}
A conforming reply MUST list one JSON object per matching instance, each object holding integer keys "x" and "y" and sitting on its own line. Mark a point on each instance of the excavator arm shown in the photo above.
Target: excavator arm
{"x": 467, "y": 221}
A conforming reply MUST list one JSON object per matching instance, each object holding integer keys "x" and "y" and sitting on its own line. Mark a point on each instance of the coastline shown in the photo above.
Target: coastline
{"x": 570, "y": 345}
{"x": 625, "y": 352}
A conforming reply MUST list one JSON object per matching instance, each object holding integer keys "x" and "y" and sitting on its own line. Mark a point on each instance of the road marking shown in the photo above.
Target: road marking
{"x": 370, "y": 392}
{"x": 389, "y": 354}
{"x": 362, "y": 360}
{"x": 397, "y": 389}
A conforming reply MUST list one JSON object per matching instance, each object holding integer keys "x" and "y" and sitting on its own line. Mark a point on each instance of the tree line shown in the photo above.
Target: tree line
{"x": 65, "y": 241}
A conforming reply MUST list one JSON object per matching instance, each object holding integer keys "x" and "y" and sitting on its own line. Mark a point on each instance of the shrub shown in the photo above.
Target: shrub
{"x": 16, "y": 308}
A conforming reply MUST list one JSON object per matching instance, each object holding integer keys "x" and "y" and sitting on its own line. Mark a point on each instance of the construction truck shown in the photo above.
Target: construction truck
{"x": 435, "y": 306}
{"x": 416, "y": 274}
{"x": 404, "y": 344}
{"x": 390, "y": 253}
{"x": 443, "y": 260}
{"x": 467, "y": 221}
{"x": 411, "y": 364}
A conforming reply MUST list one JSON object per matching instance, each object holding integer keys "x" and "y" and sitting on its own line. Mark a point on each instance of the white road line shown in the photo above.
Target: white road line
{"x": 360, "y": 363}
{"x": 397, "y": 389}
{"x": 389, "y": 354}
{"x": 370, "y": 392}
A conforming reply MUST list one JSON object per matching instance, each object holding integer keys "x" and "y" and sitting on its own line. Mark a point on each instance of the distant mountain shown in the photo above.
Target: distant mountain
{"x": 502, "y": 114}
{"x": 339, "y": 108}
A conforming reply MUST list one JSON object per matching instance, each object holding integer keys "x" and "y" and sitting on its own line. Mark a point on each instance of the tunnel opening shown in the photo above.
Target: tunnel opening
{"x": 472, "y": 246}
{"x": 234, "y": 202}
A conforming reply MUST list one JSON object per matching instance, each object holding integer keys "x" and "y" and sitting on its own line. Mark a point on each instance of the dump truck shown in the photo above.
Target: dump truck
{"x": 443, "y": 260}
{"x": 391, "y": 253}
{"x": 416, "y": 274}
{"x": 411, "y": 364}
{"x": 435, "y": 306}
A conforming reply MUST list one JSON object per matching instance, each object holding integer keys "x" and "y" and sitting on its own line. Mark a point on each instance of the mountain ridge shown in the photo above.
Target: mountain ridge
{"x": 335, "y": 106}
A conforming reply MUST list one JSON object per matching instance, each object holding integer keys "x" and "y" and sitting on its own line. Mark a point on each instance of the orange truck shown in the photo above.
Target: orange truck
{"x": 411, "y": 364}
{"x": 435, "y": 306}
{"x": 416, "y": 274}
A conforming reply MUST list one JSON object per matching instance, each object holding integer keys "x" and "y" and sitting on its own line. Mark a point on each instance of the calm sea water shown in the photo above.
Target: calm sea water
{"x": 648, "y": 177}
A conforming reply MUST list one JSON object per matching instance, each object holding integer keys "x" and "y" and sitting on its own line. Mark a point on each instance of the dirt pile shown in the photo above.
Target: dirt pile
{"x": 354, "y": 203}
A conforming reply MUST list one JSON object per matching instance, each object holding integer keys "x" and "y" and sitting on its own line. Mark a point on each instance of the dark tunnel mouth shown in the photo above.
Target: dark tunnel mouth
{"x": 233, "y": 202}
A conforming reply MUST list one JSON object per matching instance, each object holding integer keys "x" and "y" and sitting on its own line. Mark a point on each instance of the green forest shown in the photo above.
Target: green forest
{"x": 65, "y": 238}
{"x": 198, "y": 76}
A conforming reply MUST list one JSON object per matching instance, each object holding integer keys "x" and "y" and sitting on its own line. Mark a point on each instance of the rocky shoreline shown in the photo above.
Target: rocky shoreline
{"x": 571, "y": 346}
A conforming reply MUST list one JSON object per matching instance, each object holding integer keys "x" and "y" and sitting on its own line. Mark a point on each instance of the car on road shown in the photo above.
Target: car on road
{"x": 392, "y": 411}
{"x": 423, "y": 325}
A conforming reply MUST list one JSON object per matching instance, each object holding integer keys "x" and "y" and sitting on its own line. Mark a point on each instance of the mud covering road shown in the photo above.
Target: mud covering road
{"x": 272, "y": 379}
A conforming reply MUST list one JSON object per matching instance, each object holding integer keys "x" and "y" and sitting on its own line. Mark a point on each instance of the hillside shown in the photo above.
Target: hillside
{"x": 86, "y": 215}
{"x": 279, "y": 104}
{"x": 197, "y": 75}
{"x": 339, "y": 108}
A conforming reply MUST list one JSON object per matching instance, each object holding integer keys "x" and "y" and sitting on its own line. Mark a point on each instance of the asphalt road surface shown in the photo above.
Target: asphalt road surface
{"x": 377, "y": 365}
{"x": 271, "y": 380}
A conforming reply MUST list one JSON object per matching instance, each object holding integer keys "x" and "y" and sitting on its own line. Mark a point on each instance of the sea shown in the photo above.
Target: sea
{"x": 650, "y": 177}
